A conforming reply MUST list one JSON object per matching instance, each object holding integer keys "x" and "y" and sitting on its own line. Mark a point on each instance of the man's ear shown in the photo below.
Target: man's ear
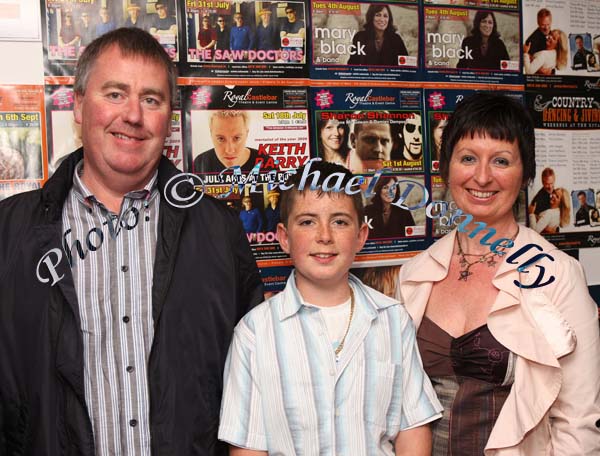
{"x": 282, "y": 236}
{"x": 77, "y": 114}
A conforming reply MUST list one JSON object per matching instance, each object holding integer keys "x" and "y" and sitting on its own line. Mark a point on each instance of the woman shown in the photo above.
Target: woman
{"x": 68, "y": 35}
{"x": 333, "y": 141}
{"x": 516, "y": 368}
{"x": 207, "y": 38}
{"x": 558, "y": 215}
{"x": 553, "y": 57}
{"x": 387, "y": 220}
{"x": 381, "y": 43}
{"x": 437, "y": 128}
{"x": 483, "y": 49}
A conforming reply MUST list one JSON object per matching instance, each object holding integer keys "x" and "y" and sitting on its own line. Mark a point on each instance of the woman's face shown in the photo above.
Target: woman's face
{"x": 486, "y": 26}
{"x": 485, "y": 178}
{"x": 388, "y": 192}
{"x": 552, "y": 40}
{"x": 554, "y": 199}
{"x": 332, "y": 135}
{"x": 381, "y": 20}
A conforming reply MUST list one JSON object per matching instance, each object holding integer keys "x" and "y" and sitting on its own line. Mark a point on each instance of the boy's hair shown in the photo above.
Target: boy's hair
{"x": 322, "y": 169}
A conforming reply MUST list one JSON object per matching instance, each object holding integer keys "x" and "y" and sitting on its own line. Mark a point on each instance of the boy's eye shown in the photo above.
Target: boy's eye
{"x": 306, "y": 222}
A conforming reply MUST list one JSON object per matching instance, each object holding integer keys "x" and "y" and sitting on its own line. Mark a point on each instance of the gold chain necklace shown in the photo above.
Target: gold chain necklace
{"x": 338, "y": 349}
{"x": 488, "y": 258}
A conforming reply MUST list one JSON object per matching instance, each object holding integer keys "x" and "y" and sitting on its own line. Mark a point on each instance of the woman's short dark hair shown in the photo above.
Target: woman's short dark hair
{"x": 495, "y": 116}
{"x": 374, "y": 8}
{"x": 479, "y": 16}
{"x": 132, "y": 42}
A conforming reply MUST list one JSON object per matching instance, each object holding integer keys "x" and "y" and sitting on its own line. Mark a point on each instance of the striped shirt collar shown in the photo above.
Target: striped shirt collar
{"x": 291, "y": 301}
{"x": 85, "y": 196}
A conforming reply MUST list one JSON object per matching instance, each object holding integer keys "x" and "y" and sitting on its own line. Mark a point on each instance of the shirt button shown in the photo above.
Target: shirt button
{"x": 125, "y": 319}
{"x": 129, "y": 369}
{"x": 124, "y": 268}
{"x": 337, "y": 412}
{"x": 133, "y": 423}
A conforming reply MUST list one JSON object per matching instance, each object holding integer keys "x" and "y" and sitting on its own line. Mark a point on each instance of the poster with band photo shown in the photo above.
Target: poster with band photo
{"x": 245, "y": 39}
{"x": 365, "y": 40}
{"x": 69, "y": 26}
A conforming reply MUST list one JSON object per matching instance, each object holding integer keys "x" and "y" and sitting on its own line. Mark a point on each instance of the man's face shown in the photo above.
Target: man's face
{"x": 134, "y": 13}
{"x": 221, "y": 23}
{"x": 581, "y": 199}
{"x": 545, "y": 24}
{"x": 161, "y": 11}
{"x": 291, "y": 15}
{"x": 579, "y": 43}
{"x": 411, "y": 133}
{"x": 85, "y": 18}
{"x": 266, "y": 18}
{"x": 548, "y": 183}
{"x": 239, "y": 20}
{"x": 125, "y": 116}
{"x": 229, "y": 136}
{"x": 373, "y": 142}
{"x": 104, "y": 15}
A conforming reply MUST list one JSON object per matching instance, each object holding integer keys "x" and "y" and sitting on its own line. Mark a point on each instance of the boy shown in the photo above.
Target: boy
{"x": 328, "y": 366}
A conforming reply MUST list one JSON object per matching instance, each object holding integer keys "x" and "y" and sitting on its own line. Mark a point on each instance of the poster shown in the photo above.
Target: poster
{"x": 22, "y": 138}
{"x": 228, "y": 38}
{"x": 19, "y": 20}
{"x": 376, "y": 128}
{"x": 264, "y": 132}
{"x": 368, "y": 41}
{"x": 70, "y": 25}
{"x": 64, "y": 134}
{"x": 565, "y": 198}
{"x": 561, "y": 40}
{"x": 472, "y": 45}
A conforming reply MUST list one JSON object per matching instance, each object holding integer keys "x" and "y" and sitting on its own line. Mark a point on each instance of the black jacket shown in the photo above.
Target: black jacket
{"x": 205, "y": 279}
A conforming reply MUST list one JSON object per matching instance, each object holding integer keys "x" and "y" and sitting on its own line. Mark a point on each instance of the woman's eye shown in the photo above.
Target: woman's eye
{"x": 467, "y": 159}
{"x": 502, "y": 161}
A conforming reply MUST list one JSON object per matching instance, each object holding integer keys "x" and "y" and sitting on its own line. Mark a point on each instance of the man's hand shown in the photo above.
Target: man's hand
{"x": 532, "y": 208}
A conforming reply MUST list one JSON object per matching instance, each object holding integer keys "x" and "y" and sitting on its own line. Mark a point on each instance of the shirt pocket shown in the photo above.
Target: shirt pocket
{"x": 382, "y": 393}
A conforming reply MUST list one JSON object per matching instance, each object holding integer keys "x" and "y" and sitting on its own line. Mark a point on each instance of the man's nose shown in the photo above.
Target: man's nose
{"x": 133, "y": 111}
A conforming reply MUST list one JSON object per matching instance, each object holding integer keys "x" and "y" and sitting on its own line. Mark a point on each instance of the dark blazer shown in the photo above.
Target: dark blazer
{"x": 491, "y": 60}
{"x": 393, "y": 46}
{"x": 205, "y": 280}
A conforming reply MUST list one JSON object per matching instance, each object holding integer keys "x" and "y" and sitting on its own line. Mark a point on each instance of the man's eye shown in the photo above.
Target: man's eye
{"x": 152, "y": 101}
{"x": 114, "y": 96}
{"x": 220, "y": 139}
{"x": 341, "y": 222}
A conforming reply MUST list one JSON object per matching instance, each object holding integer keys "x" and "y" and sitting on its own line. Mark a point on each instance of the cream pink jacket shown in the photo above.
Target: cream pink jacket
{"x": 554, "y": 404}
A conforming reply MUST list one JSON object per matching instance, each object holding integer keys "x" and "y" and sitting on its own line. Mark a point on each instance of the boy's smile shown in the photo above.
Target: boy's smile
{"x": 322, "y": 237}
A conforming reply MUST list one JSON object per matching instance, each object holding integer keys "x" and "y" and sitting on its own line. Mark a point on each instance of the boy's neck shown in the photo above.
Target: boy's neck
{"x": 323, "y": 295}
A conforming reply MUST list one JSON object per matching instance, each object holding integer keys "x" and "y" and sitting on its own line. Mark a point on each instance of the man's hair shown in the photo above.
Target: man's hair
{"x": 132, "y": 42}
{"x": 291, "y": 7}
{"x": 231, "y": 114}
{"x": 324, "y": 169}
{"x": 544, "y": 12}
{"x": 582, "y": 193}
{"x": 495, "y": 116}
{"x": 548, "y": 172}
{"x": 578, "y": 37}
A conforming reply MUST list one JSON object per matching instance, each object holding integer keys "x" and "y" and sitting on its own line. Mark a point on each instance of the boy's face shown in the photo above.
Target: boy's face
{"x": 322, "y": 237}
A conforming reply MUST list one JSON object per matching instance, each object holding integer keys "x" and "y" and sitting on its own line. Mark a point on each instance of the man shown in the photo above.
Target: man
{"x": 223, "y": 36}
{"x": 86, "y": 31}
{"x": 371, "y": 146}
{"x": 538, "y": 38}
{"x": 541, "y": 201}
{"x": 580, "y": 57}
{"x": 293, "y": 32}
{"x": 117, "y": 308}
{"x": 266, "y": 35}
{"x": 412, "y": 139}
{"x": 241, "y": 37}
{"x": 134, "y": 19}
{"x": 582, "y": 217}
{"x": 106, "y": 24}
{"x": 229, "y": 133}
{"x": 272, "y": 212}
{"x": 162, "y": 23}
